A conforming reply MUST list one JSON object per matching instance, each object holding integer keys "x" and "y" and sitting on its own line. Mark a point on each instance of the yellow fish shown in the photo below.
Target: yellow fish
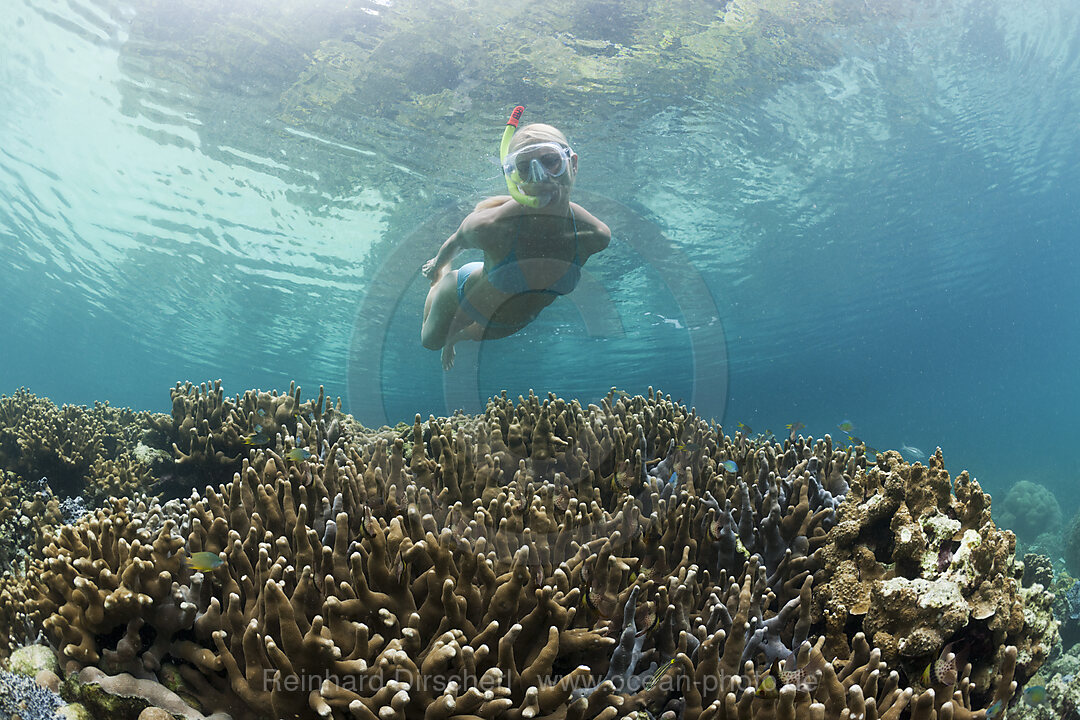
{"x": 298, "y": 454}
{"x": 659, "y": 674}
{"x": 204, "y": 561}
{"x": 1035, "y": 694}
{"x": 767, "y": 687}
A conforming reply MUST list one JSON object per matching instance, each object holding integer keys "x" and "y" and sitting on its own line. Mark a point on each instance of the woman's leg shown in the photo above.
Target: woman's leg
{"x": 472, "y": 331}
{"x": 440, "y": 307}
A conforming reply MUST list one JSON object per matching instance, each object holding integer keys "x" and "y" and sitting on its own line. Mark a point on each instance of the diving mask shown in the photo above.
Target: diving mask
{"x": 537, "y": 163}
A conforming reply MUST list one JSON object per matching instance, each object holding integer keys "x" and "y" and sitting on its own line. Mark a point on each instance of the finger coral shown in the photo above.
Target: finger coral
{"x": 208, "y": 433}
{"x": 78, "y": 450}
{"x": 542, "y": 560}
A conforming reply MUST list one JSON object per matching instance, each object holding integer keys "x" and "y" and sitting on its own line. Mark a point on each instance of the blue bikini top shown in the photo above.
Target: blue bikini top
{"x": 506, "y": 276}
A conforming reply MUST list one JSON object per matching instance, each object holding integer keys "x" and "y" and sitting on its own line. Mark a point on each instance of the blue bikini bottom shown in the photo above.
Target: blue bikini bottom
{"x": 471, "y": 310}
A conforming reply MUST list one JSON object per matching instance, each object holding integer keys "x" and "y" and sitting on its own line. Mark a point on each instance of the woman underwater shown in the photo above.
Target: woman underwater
{"x": 534, "y": 243}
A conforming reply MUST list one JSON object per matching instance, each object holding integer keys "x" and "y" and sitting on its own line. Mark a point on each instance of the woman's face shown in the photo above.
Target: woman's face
{"x": 544, "y": 170}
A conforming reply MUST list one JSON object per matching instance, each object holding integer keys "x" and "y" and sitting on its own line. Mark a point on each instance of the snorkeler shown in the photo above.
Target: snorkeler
{"x": 534, "y": 242}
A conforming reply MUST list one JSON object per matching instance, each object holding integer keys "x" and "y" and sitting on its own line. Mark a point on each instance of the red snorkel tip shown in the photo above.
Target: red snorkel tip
{"x": 516, "y": 115}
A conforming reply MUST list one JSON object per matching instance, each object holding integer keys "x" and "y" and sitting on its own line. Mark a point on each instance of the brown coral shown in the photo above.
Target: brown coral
{"x": 543, "y": 560}
{"x": 933, "y": 569}
{"x": 67, "y": 445}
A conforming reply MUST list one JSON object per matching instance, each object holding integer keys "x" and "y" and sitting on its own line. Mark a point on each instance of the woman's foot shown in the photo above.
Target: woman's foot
{"x": 447, "y": 356}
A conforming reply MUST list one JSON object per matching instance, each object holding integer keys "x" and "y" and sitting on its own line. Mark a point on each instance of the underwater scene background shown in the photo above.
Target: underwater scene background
{"x": 878, "y": 197}
{"x": 854, "y": 216}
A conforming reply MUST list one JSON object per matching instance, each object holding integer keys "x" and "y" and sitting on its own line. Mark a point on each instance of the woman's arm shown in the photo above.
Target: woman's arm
{"x": 473, "y": 233}
{"x": 595, "y": 235}
{"x": 457, "y": 242}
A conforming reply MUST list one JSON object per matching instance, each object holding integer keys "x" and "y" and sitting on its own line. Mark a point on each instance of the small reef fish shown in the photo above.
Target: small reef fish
{"x": 256, "y": 439}
{"x": 804, "y": 679}
{"x": 623, "y": 477}
{"x": 688, "y": 447}
{"x": 767, "y": 687}
{"x": 1035, "y": 694}
{"x": 747, "y": 430}
{"x": 298, "y": 454}
{"x": 592, "y": 600}
{"x": 674, "y": 478}
{"x": 714, "y": 530}
{"x": 994, "y": 711}
{"x": 731, "y": 466}
{"x": 913, "y": 452}
{"x": 203, "y": 561}
{"x": 400, "y": 568}
{"x": 847, "y": 426}
{"x": 660, "y": 671}
{"x": 648, "y": 621}
{"x": 793, "y": 430}
{"x": 368, "y": 525}
{"x": 942, "y": 671}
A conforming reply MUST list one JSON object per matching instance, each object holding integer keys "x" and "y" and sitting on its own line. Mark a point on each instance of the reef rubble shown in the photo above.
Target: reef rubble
{"x": 545, "y": 559}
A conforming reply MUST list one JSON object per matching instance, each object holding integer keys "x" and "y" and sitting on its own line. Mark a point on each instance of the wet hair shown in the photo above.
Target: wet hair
{"x": 525, "y": 135}
{"x": 536, "y": 132}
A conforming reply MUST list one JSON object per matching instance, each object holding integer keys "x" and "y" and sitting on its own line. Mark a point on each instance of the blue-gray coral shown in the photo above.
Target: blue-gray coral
{"x": 21, "y": 697}
{"x": 1072, "y": 597}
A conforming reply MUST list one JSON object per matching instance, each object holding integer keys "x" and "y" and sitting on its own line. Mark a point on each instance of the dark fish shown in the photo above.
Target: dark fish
{"x": 256, "y": 439}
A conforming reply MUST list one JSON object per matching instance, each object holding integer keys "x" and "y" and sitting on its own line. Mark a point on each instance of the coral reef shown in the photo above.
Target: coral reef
{"x": 1072, "y": 546}
{"x": 1038, "y": 569}
{"x": 208, "y": 434}
{"x": 22, "y": 698}
{"x": 920, "y": 563}
{"x": 1033, "y": 513}
{"x": 79, "y": 450}
{"x": 25, "y": 509}
{"x": 545, "y": 559}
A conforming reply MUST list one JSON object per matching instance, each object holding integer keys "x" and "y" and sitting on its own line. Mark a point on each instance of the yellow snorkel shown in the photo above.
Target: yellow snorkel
{"x": 504, "y": 147}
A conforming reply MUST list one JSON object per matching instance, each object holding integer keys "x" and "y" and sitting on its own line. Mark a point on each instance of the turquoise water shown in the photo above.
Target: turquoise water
{"x": 858, "y": 211}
